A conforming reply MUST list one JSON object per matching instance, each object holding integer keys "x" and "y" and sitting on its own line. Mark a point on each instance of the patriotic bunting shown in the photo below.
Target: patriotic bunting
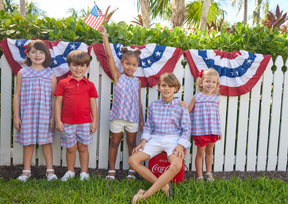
{"x": 14, "y": 53}
{"x": 154, "y": 60}
{"x": 239, "y": 70}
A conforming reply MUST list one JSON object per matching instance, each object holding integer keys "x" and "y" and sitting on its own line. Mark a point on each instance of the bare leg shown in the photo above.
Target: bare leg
{"x": 113, "y": 149}
{"x": 199, "y": 160}
{"x": 166, "y": 177}
{"x": 209, "y": 158}
{"x": 83, "y": 156}
{"x": 70, "y": 157}
{"x": 131, "y": 142}
{"x": 48, "y": 155}
{"x": 27, "y": 157}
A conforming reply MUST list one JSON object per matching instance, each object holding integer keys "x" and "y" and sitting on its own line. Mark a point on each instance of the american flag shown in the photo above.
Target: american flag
{"x": 13, "y": 49}
{"x": 154, "y": 60}
{"x": 95, "y": 18}
{"x": 239, "y": 70}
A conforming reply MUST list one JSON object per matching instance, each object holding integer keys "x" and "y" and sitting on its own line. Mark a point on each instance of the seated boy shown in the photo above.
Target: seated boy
{"x": 167, "y": 128}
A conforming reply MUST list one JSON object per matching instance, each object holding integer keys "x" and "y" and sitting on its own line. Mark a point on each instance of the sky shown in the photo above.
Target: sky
{"x": 128, "y": 8}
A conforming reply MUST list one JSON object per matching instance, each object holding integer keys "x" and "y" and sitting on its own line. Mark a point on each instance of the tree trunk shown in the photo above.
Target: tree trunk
{"x": 1, "y": 5}
{"x": 145, "y": 12}
{"x": 22, "y": 8}
{"x": 204, "y": 14}
{"x": 178, "y": 13}
{"x": 245, "y": 12}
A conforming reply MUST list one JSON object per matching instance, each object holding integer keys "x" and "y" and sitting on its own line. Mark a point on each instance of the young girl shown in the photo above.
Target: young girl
{"x": 205, "y": 120}
{"x": 33, "y": 106}
{"x": 127, "y": 108}
{"x": 167, "y": 128}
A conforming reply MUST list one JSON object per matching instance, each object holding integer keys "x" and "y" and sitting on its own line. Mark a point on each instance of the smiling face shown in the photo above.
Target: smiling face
{"x": 209, "y": 84}
{"x": 37, "y": 57}
{"x": 78, "y": 71}
{"x": 130, "y": 64}
{"x": 167, "y": 92}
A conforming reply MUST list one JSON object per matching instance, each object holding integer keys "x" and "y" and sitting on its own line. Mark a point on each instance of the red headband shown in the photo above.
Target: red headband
{"x": 201, "y": 73}
{"x": 25, "y": 51}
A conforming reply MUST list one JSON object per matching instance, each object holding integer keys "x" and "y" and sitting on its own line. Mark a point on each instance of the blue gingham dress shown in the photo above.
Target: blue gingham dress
{"x": 205, "y": 119}
{"x": 126, "y": 99}
{"x": 35, "y": 107}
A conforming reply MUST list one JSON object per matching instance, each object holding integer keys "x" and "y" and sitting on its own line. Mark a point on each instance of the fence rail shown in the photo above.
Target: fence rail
{"x": 254, "y": 125}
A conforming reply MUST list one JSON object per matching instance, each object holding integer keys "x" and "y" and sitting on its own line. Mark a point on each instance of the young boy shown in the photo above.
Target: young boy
{"x": 74, "y": 106}
{"x": 167, "y": 128}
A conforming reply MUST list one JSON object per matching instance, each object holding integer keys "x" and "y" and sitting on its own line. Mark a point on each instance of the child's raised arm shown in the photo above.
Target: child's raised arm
{"x": 115, "y": 73}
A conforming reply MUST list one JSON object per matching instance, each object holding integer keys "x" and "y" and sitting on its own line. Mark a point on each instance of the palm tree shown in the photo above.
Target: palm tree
{"x": 22, "y": 8}
{"x": 73, "y": 12}
{"x": 10, "y": 6}
{"x": 256, "y": 13}
{"x": 145, "y": 11}
{"x": 1, "y": 5}
{"x": 178, "y": 13}
{"x": 204, "y": 14}
{"x": 32, "y": 8}
{"x": 239, "y": 4}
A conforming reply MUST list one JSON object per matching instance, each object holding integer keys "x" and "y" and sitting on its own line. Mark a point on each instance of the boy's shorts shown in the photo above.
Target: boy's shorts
{"x": 75, "y": 132}
{"x": 204, "y": 140}
{"x": 117, "y": 126}
{"x": 160, "y": 143}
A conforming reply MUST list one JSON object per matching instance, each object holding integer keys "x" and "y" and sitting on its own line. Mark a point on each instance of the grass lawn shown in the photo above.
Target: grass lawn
{"x": 98, "y": 190}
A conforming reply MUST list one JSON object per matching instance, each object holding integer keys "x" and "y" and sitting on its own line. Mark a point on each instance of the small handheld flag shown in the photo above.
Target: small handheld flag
{"x": 95, "y": 18}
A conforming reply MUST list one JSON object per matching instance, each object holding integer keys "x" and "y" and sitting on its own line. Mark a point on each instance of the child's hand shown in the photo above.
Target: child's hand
{"x": 59, "y": 126}
{"x": 51, "y": 123}
{"x": 219, "y": 137}
{"x": 183, "y": 104}
{"x": 93, "y": 127}
{"x": 141, "y": 124}
{"x": 140, "y": 146}
{"x": 102, "y": 30}
{"x": 179, "y": 151}
{"x": 17, "y": 123}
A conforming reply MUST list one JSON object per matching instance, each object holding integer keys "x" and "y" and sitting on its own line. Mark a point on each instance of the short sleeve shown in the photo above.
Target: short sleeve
{"x": 93, "y": 92}
{"x": 59, "y": 91}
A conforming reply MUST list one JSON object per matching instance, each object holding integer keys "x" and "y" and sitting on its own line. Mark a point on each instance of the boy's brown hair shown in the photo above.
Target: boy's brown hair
{"x": 38, "y": 45}
{"x": 170, "y": 79}
{"x": 78, "y": 57}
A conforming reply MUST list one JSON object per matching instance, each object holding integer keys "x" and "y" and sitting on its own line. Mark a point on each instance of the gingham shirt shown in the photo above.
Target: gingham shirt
{"x": 205, "y": 119}
{"x": 126, "y": 99}
{"x": 168, "y": 119}
{"x": 35, "y": 107}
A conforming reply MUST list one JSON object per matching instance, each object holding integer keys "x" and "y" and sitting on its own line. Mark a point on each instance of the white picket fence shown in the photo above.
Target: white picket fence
{"x": 254, "y": 125}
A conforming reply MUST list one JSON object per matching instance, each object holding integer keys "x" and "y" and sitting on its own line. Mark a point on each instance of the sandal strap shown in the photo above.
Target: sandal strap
{"x": 48, "y": 170}
{"x": 209, "y": 174}
{"x": 108, "y": 176}
{"x": 131, "y": 171}
{"x": 111, "y": 171}
{"x": 201, "y": 177}
{"x": 26, "y": 171}
{"x": 131, "y": 176}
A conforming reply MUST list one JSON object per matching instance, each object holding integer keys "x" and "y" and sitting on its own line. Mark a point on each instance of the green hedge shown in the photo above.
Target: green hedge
{"x": 255, "y": 40}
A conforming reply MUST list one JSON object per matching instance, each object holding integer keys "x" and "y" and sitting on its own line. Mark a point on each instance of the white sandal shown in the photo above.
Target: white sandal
{"x": 51, "y": 177}
{"x": 129, "y": 176}
{"x": 109, "y": 177}
{"x": 208, "y": 178}
{"x": 24, "y": 178}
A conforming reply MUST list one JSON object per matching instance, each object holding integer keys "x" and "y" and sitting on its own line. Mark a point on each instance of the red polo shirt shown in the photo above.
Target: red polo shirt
{"x": 76, "y": 99}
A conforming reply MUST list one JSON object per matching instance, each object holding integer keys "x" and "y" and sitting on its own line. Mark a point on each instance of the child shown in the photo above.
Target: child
{"x": 167, "y": 128}
{"x": 205, "y": 120}
{"x": 75, "y": 104}
{"x": 33, "y": 107}
{"x": 127, "y": 108}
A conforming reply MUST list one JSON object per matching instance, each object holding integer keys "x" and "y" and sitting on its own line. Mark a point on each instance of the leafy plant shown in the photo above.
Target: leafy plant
{"x": 276, "y": 20}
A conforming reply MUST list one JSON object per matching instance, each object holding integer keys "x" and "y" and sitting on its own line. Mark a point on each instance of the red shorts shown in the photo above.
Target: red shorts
{"x": 204, "y": 140}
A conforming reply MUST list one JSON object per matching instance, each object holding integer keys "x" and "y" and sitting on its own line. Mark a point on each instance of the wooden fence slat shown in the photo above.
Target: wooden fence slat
{"x": 6, "y": 102}
{"x": 242, "y": 133}
{"x": 219, "y": 146}
{"x": 253, "y": 127}
{"x": 264, "y": 119}
{"x": 283, "y": 144}
{"x": 231, "y": 134}
{"x": 275, "y": 116}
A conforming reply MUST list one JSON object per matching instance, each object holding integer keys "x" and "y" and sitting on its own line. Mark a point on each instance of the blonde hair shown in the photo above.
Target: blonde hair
{"x": 208, "y": 72}
{"x": 170, "y": 79}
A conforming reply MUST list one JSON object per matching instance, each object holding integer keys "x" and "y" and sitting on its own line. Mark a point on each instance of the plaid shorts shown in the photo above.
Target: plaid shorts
{"x": 75, "y": 132}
